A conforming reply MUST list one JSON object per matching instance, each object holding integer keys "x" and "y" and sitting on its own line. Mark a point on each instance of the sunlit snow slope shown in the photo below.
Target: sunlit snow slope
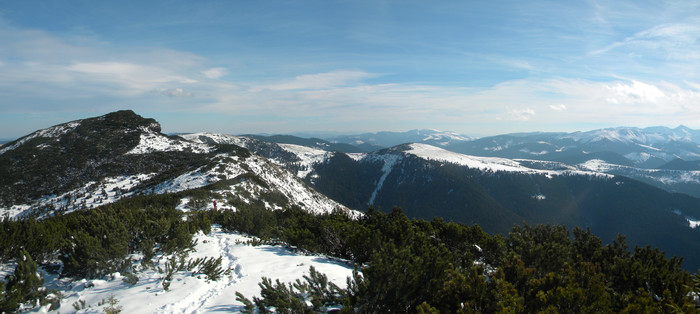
{"x": 247, "y": 265}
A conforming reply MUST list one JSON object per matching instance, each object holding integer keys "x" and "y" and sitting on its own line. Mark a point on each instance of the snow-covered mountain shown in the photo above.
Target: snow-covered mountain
{"x": 380, "y": 140}
{"x": 645, "y": 148}
{"x": 428, "y": 181}
{"x": 91, "y": 162}
{"x": 309, "y": 163}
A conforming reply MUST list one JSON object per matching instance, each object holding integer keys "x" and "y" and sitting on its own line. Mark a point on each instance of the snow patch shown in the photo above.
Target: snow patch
{"x": 51, "y": 132}
{"x": 597, "y": 165}
{"x": 494, "y": 164}
{"x": 154, "y": 142}
{"x": 356, "y": 156}
{"x": 649, "y": 147}
{"x": 308, "y": 157}
{"x": 246, "y": 264}
{"x": 90, "y": 195}
{"x": 693, "y": 223}
{"x": 218, "y": 138}
{"x": 389, "y": 161}
{"x": 430, "y": 152}
{"x": 539, "y": 197}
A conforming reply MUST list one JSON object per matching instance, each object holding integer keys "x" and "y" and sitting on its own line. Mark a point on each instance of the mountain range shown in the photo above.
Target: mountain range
{"x": 640, "y": 183}
{"x": 496, "y": 193}
{"x": 595, "y": 179}
{"x": 666, "y": 158}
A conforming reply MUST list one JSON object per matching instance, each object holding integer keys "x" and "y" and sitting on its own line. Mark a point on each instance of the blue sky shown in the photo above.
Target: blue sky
{"x": 475, "y": 67}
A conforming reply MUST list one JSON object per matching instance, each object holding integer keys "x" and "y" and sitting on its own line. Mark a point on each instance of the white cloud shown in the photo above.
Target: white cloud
{"x": 519, "y": 114}
{"x": 173, "y": 92}
{"x": 635, "y": 92}
{"x": 215, "y": 73}
{"x": 139, "y": 77}
{"x": 559, "y": 107}
{"x": 42, "y": 71}
{"x": 322, "y": 80}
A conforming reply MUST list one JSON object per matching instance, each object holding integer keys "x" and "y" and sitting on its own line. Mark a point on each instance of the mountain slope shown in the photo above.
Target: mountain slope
{"x": 378, "y": 140}
{"x": 497, "y": 193}
{"x": 86, "y": 163}
{"x": 313, "y": 142}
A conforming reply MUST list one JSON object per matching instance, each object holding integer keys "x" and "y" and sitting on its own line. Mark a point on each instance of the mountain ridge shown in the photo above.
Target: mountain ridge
{"x": 89, "y": 162}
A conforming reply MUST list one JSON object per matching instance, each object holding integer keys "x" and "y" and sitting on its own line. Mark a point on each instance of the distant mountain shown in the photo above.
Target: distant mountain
{"x": 645, "y": 148}
{"x": 87, "y": 163}
{"x": 313, "y": 142}
{"x": 375, "y": 141}
{"x": 680, "y": 164}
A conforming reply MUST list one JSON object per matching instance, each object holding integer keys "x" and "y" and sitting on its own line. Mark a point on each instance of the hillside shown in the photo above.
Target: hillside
{"x": 378, "y": 140}
{"x": 497, "y": 193}
{"x": 86, "y": 163}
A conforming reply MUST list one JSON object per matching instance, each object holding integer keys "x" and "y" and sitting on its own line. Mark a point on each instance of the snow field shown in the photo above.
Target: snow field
{"x": 494, "y": 164}
{"x": 91, "y": 195}
{"x": 216, "y": 138}
{"x": 194, "y": 294}
{"x": 307, "y": 155}
{"x": 154, "y": 142}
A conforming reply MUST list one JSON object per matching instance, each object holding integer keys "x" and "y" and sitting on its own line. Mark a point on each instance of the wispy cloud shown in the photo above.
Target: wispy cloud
{"x": 133, "y": 77}
{"x": 559, "y": 107}
{"x": 321, "y": 80}
{"x": 215, "y": 73}
{"x": 669, "y": 37}
{"x": 523, "y": 114}
{"x": 173, "y": 92}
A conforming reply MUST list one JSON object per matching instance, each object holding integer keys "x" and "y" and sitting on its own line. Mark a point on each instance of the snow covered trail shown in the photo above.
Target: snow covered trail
{"x": 194, "y": 294}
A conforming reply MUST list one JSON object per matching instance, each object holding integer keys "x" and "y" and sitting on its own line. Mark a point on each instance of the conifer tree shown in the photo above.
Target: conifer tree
{"x": 23, "y": 285}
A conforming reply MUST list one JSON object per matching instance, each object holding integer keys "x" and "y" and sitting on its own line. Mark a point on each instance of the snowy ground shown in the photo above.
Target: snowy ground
{"x": 429, "y": 152}
{"x": 308, "y": 156}
{"x": 52, "y": 132}
{"x": 188, "y": 294}
{"x": 156, "y": 142}
{"x": 91, "y": 195}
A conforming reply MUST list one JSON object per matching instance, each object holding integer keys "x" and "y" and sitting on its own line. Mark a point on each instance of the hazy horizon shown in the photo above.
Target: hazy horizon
{"x": 329, "y": 134}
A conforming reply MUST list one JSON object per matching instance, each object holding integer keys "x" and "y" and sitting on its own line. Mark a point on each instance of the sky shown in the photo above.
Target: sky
{"x": 473, "y": 67}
